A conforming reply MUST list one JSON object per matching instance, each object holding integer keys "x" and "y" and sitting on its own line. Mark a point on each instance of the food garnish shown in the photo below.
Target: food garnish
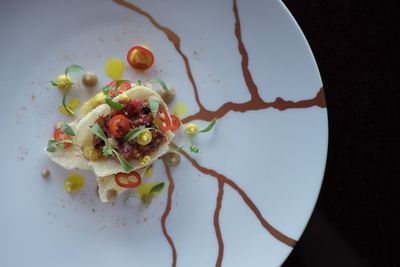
{"x": 180, "y": 110}
{"x": 128, "y": 180}
{"x": 89, "y": 79}
{"x": 108, "y": 150}
{"x": 145, "y": 161}
{"x": 45, "y": 173}
{"x": 172, "y": 159}
{"x": 192, "y": 130}
{"x": 114, "y": 68}
{"x": 121, "y": 131}
{"x": 74, "y": 182}
{"x": 64, "y": 82}
{"x": 62, "y": 139}
{"x": 140, "y": 58}
{"x": 146, "y": 192}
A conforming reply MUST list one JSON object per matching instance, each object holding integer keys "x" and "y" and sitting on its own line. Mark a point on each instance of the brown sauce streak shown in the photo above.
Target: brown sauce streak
{"x": 255, "y": 103}
{"x": 173, "y": 38}
{"x": 218, "y": 233}
{"x": 224, "y": 180}
{"x": 171, "y": 187}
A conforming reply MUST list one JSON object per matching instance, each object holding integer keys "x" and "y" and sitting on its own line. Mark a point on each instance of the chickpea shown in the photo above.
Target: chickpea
{"x": 172, "y": 159}
{"x": 89, "y": 79}
{"x": 167, "y": 95}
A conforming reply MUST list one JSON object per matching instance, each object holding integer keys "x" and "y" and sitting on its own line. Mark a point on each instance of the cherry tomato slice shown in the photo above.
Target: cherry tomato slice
{"x": 175, "y": 122}
{"x": 140, "y": 58}
{"x": 163, "y": 120}
{"x": 119, "y": 125}
{"x": 128, "y": 180}
{"x": 125, "y": 86}
{"x": 59, "y": 135}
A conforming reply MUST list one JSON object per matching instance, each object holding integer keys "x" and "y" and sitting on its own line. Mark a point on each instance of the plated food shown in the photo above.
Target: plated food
{"x": 119, "y": 132}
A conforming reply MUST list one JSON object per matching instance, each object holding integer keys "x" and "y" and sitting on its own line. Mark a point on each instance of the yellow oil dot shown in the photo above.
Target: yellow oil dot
{"x": 115, "y": 68}
{"x": 145, "y": 161}
{"x": 191, "y": 128}
{"x": 144, "y": 138}
{"x": 149, "y": 172}
{"x": 72, "y": 105}
{"x": 180, "y": 110}
{"x": 74, "y": 182}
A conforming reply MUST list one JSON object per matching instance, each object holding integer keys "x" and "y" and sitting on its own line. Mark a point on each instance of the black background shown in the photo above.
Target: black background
{"x": 355, "y": 222}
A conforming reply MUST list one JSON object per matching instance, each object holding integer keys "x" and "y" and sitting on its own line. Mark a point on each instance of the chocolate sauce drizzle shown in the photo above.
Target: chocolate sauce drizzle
{"x": 171, "y": 187}
{"x": 255, "y": 103}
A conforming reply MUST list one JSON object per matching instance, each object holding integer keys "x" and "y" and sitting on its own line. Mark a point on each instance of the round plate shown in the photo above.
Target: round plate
{"x": 243, "y": 200}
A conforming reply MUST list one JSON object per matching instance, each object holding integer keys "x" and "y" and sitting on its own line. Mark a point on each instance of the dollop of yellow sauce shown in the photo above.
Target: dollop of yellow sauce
{"x": 74, "y": 182}
{"x": 191, "y": 128}
{"x": 73, "y": 105}
{"x": 180, "y": 110}
{"x": 114, "y": 68}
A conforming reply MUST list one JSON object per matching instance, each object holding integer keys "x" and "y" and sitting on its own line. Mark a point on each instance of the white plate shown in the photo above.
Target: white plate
{"x": 277, "y": 157}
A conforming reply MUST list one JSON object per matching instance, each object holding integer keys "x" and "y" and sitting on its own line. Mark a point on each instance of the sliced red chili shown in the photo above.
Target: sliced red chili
{"x": 163, "y": 120}
{"x": 124, "y": 86}
{"x": 128, "y": 180}
{"x": 59, "y": 135}
{"x": 175, "y": 122}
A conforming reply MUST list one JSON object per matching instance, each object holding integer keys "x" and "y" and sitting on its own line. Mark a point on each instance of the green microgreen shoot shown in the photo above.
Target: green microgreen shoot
{"x": 68, "y": 130}
{"x": 57, "y": 145}
{"x": 161, "y": 82}
{"x": 134, "y": 133}
{"x": 157, "y": 188}
{"x": 114, "y": 105}
{"x": 64, "y": 100}
{"x": 209, "y": 126}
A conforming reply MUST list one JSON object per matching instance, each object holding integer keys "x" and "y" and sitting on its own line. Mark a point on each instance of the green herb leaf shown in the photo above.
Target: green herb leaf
{"x": 56, "y": 145}
{"x": 54, "y": 83}
{"x": 114, "y": 105}
{"x": 96, "y": 129}
{"x": 194, "y": 149}
{"x": 134, "y": 133}
{"x": 209, "y": 126}
{"x": 124, "y": 163}
{"x": 139, "y": 82}
{"x": 157, "y": 188}
{"x": 106, "y": 89}
{"x": 161, "y": 82}
{"x": 154, "y": 104}
{"x": 67, "y": 129}
{"x": 107, "y": 151}
{"x": 72, "y": 68}
{"x": 64, "y": 100}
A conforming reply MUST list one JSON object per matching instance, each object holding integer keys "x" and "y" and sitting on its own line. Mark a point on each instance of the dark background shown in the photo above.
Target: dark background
{"x": 356, "y": 220}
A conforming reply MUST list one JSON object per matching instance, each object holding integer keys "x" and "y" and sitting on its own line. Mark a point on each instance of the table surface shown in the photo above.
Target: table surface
{"x": 354, "y": 221}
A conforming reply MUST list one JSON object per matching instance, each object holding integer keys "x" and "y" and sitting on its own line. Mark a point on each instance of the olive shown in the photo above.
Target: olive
{"x": 167, "y": 95}
{"x": 172, "y": 159}
{"x": 89, "y": 79}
